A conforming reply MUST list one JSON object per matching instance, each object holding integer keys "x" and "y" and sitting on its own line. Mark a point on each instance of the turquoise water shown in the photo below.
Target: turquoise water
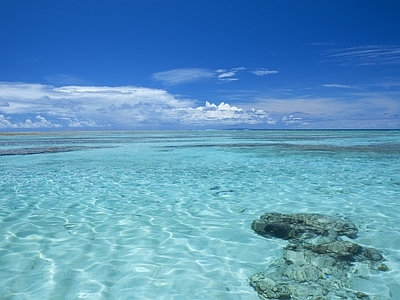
{"x": 167, "y": 215}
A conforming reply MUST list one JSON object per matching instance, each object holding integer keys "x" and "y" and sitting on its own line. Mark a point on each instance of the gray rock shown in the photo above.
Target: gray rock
{"x": 302, "y": 225}
{"x": 316, "y": 263}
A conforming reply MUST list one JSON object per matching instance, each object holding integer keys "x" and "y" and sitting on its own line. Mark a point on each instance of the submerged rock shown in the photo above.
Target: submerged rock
{"x": 317, "y": 263}
{"x": 302, "y": 225}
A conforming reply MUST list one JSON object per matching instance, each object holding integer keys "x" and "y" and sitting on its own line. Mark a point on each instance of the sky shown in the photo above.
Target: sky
{"x": 199, "y": 64}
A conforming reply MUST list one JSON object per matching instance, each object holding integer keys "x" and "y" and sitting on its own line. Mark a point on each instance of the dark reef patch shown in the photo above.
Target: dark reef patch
{"x": 382, "y": 148}
{"x": 43, "y": 150}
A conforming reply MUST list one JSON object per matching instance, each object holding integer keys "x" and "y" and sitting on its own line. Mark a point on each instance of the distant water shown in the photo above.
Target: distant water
{"x": 167, "y": 215}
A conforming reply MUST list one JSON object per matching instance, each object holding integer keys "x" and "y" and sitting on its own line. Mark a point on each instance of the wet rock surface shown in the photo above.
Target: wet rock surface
{"x": 317, "y": 263}
{"x": 294, "y": 226}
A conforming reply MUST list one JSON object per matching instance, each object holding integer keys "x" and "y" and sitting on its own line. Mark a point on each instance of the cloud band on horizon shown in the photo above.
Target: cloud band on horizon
{"x": 44, "y": 106}
{"x": 38, "y": 106}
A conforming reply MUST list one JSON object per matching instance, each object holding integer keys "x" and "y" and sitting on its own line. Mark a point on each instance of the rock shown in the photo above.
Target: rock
{"x": 268, "y": 288}
{"x": 294, "y": 226}
{"x": 382, "y": 267}
{"x": 316, "y": 263}
{"x": 340, "y": 250}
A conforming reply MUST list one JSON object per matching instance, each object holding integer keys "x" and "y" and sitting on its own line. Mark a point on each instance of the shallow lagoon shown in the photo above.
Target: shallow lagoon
{"x": 167, "y": 215}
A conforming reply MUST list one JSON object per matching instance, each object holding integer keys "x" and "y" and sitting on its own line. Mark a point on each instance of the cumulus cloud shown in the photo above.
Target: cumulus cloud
{"x": 293, "y": 120}
{"x": 223, "y": 114}
{"x": 179, "y": 76}
{"x": 262, "y": 72}
{"x": 38, "y": 122}
{"x": 40, "y": 106}
{"x": 46, "y": 106}
{"x": 87, "y": 106}
{"x": 76, "y": 123}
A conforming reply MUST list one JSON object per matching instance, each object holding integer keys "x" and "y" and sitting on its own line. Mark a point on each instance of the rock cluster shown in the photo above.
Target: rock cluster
{"x": 317, "y": 262}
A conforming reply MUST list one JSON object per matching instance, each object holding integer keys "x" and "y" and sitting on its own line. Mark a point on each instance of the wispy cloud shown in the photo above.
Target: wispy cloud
{"x": 262, "y": 72}
{"x": 336, "y": 85}
{"x": 179, "y": 76}
{"x": 365, "y": 55}
{"x": 363, "y": 110}
{"x": 228, "y": 75}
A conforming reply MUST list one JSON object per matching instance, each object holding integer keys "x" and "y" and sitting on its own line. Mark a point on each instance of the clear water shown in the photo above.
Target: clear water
{"x": 167, "y": 215}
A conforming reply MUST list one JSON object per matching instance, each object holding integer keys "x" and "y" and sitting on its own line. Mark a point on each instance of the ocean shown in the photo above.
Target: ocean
{"x": 168, "y": 214}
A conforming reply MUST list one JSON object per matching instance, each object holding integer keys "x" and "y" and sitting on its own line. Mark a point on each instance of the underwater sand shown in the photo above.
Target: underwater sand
{"x": 167, "y": 214}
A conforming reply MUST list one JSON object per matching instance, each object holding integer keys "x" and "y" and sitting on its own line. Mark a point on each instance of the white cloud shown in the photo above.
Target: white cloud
{"x": 228, "y": 75}
{"x": 363, "y": 110}
{"x": 228, "y": 79}
{"x": 38, "y": 122}
{"x": 335, "y": 85}
{"x": 45, "y": 106}
{"x": 179, "y": 76}
{"x": 5, "y": 123}
{"x": 262, "y": 72}
{"x": 293, "y": 120}
{"x": 223, "y": 114}
{"x": 75, "y": 123}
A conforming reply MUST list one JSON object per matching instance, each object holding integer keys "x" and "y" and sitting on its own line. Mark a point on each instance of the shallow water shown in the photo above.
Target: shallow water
{"x": 167, "y": 215}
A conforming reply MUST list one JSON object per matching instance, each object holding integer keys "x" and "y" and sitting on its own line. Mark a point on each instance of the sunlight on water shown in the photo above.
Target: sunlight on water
{"x": 167, "y": 215}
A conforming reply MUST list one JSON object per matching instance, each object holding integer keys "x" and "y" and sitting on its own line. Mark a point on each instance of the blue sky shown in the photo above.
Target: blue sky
{"x": 178, "y": 64}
